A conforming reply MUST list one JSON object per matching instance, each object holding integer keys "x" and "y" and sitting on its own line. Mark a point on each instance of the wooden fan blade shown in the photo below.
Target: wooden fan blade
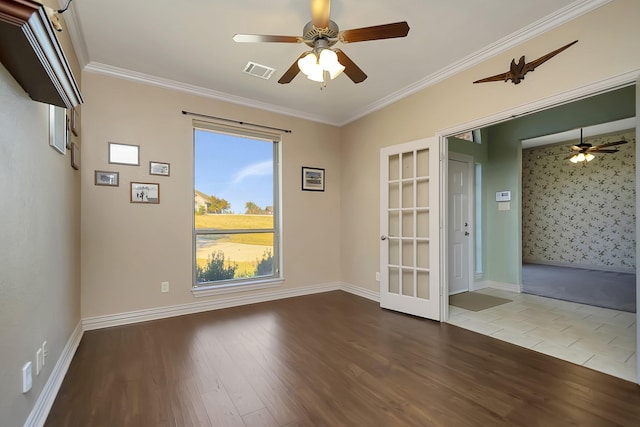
{"x": 595, "y": 150}
{"x": 350, "y": 68}
{"x": 291, "y": 72}
{"x": 320, "y": 11}
{"x": 261, "y": 38}
{"x": 377, "y": 32}
{"x": 575, "y": 148}
{"x": 611, "y": 144}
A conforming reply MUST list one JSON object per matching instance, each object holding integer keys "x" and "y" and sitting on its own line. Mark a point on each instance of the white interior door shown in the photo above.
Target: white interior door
{"x": 409, "y": 228}
{"x": 459, "y": 222}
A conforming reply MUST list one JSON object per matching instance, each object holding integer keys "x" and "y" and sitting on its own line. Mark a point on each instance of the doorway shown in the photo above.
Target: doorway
{"x": 502, "y": 254}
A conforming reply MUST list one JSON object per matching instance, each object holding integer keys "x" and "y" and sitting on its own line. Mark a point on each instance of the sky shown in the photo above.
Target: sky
{"x": 236, "y": 169}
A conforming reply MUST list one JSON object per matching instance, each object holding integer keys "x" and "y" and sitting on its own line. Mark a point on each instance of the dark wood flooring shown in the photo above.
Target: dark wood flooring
{"x": 329, "y": 359}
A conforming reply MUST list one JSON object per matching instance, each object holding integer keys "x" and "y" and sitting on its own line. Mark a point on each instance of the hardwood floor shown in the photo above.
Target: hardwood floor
{"x": 329, "y": 359}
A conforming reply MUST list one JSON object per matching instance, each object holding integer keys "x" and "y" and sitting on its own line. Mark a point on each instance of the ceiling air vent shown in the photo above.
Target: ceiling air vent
{"x": 258, "y": 70}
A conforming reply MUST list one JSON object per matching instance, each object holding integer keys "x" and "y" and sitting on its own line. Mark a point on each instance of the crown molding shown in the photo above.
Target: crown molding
{"x": 76, "y": 35}
{"x": 560, "y": 17}
{"x": 122, "y": 73}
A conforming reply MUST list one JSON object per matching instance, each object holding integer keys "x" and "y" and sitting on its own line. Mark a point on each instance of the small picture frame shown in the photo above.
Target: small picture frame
{"x": 124, "y": 154}
{"x": 159, "y": 168}
{"x": 110, "y": 179}
{"x": 312, "y": 179}
{"x": 145, "y": 192}
{"x": 74, "y": 122}
{"x": 58, "y": 135}
{"x": 75, "y": 156}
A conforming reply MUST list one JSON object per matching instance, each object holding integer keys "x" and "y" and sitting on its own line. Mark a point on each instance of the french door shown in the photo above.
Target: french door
{"x": 409, "y": 228}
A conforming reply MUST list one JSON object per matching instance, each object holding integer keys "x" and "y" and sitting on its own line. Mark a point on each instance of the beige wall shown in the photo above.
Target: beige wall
{"x": 39, "y": 245}
{"x": 128, "y": 249}
{"x": 608, "y": 39}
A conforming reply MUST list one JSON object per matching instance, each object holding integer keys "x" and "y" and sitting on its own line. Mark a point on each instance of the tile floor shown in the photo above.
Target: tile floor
{"x": 598, "y": 338}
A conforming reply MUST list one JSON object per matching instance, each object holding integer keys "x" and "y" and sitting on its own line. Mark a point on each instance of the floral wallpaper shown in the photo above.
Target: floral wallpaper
{"x": 575, "y": 214}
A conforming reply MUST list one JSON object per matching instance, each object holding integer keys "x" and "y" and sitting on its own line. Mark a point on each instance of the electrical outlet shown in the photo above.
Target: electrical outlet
{"x": 45, "y": 352}
{"x": 26, "y": 377}
{"x": 164, "y": 287}
{"x": 378, "y": 276}
{"x": 38, "y": 361}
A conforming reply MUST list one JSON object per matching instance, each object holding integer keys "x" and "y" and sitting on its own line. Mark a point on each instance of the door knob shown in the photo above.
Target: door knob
{"x": 383, "y": 237}
{"x": 466, "y": 233}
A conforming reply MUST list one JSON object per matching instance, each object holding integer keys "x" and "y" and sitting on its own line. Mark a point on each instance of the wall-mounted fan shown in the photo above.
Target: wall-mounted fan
{"x": 583, "y": 152}
{"x": 321, "y": 34}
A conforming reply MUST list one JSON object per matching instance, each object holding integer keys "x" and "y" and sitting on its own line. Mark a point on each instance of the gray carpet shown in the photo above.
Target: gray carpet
{"x": 593, "y": 287}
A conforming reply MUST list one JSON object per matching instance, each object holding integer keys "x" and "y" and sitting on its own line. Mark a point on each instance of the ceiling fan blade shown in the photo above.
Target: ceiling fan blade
{"x": 377, "y": 32}
{"x": 261, "y": 38}
{"x": 595, "y": 150}
{"x": 291, "y": 72}
{"x": 575, "y": 148}
{"x": 350, "y": 68}
{"x": 611, "y": 144}
{"x": 320, "y": 11}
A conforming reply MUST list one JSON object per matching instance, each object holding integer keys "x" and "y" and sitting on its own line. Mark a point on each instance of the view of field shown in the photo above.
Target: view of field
{"x": 243, "y": 249}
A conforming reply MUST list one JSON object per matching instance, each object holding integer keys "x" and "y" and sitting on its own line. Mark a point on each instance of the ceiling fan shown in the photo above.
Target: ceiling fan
{"x": 321, "y": 34}
{"x": 583, "y": 151}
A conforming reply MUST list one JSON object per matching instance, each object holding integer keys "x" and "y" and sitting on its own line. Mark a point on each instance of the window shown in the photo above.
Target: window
{"x": 236, "y": 209}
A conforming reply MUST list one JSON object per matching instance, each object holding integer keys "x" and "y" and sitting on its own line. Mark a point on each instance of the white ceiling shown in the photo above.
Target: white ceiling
{"x": 188, "y": 45}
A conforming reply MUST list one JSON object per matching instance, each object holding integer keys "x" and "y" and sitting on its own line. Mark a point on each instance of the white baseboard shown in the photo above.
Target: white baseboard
{"x": 498, "y": 285}
{"x": 361, "y": 292}
{"x": 40, "y": 411}
{"x": 107, "y": 321}
{"x": 99, "y": 322}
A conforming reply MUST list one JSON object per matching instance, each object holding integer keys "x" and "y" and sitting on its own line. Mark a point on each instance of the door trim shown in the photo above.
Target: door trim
{"x": 469, "y": 160}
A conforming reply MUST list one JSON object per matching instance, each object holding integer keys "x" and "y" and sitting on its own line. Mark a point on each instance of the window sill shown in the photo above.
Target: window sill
{"x": 206, "y": 291}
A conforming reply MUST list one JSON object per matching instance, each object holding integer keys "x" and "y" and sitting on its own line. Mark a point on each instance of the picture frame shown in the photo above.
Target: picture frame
{"x": 312, "y": 179}
{"x": 159, "y": 168}
{"x": 110, "y": 179}
{"x": 75, "y": 156}
{"x": 124, "y": 154}
{"x": 74, "y": 122}
{"x": 145, "y": 192}
{"x": 58, "y": 134}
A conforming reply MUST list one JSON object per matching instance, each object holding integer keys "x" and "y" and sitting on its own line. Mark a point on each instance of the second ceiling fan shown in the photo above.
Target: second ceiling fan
{"x": 321, "y": 34}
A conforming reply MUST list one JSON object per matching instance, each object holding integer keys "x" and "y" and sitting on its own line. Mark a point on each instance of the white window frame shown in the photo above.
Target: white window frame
{"x": 244, "y": 284}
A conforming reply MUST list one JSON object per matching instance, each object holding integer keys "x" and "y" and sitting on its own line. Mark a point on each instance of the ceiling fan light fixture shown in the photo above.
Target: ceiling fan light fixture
{"x": 317, "y": 75}
{"x": 588, "y": 157}
{"x": 574, "y": 159}
{"x": 335, "y": 70}
{"x": 308, "y": 64}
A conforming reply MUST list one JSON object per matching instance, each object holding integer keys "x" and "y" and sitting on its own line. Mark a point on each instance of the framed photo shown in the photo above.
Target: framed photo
{"x": 312, "y": 179}
{"x": 74, "y": 122}
{"x": 145, "y": 192}
{"x": 124, "y": 154}
{"x": 111, "y": 179}
{"x": 75, "y": 156}
{"x": 58, "y": 135}
{"x": 158, "y": 168}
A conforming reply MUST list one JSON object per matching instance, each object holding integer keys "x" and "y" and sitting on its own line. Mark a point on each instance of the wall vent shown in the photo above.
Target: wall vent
{"x": 258, "y": 70}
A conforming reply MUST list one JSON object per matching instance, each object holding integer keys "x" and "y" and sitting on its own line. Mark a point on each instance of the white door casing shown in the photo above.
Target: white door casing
{"x": 409, "y": 228}
{"x": 460, "y": 222}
